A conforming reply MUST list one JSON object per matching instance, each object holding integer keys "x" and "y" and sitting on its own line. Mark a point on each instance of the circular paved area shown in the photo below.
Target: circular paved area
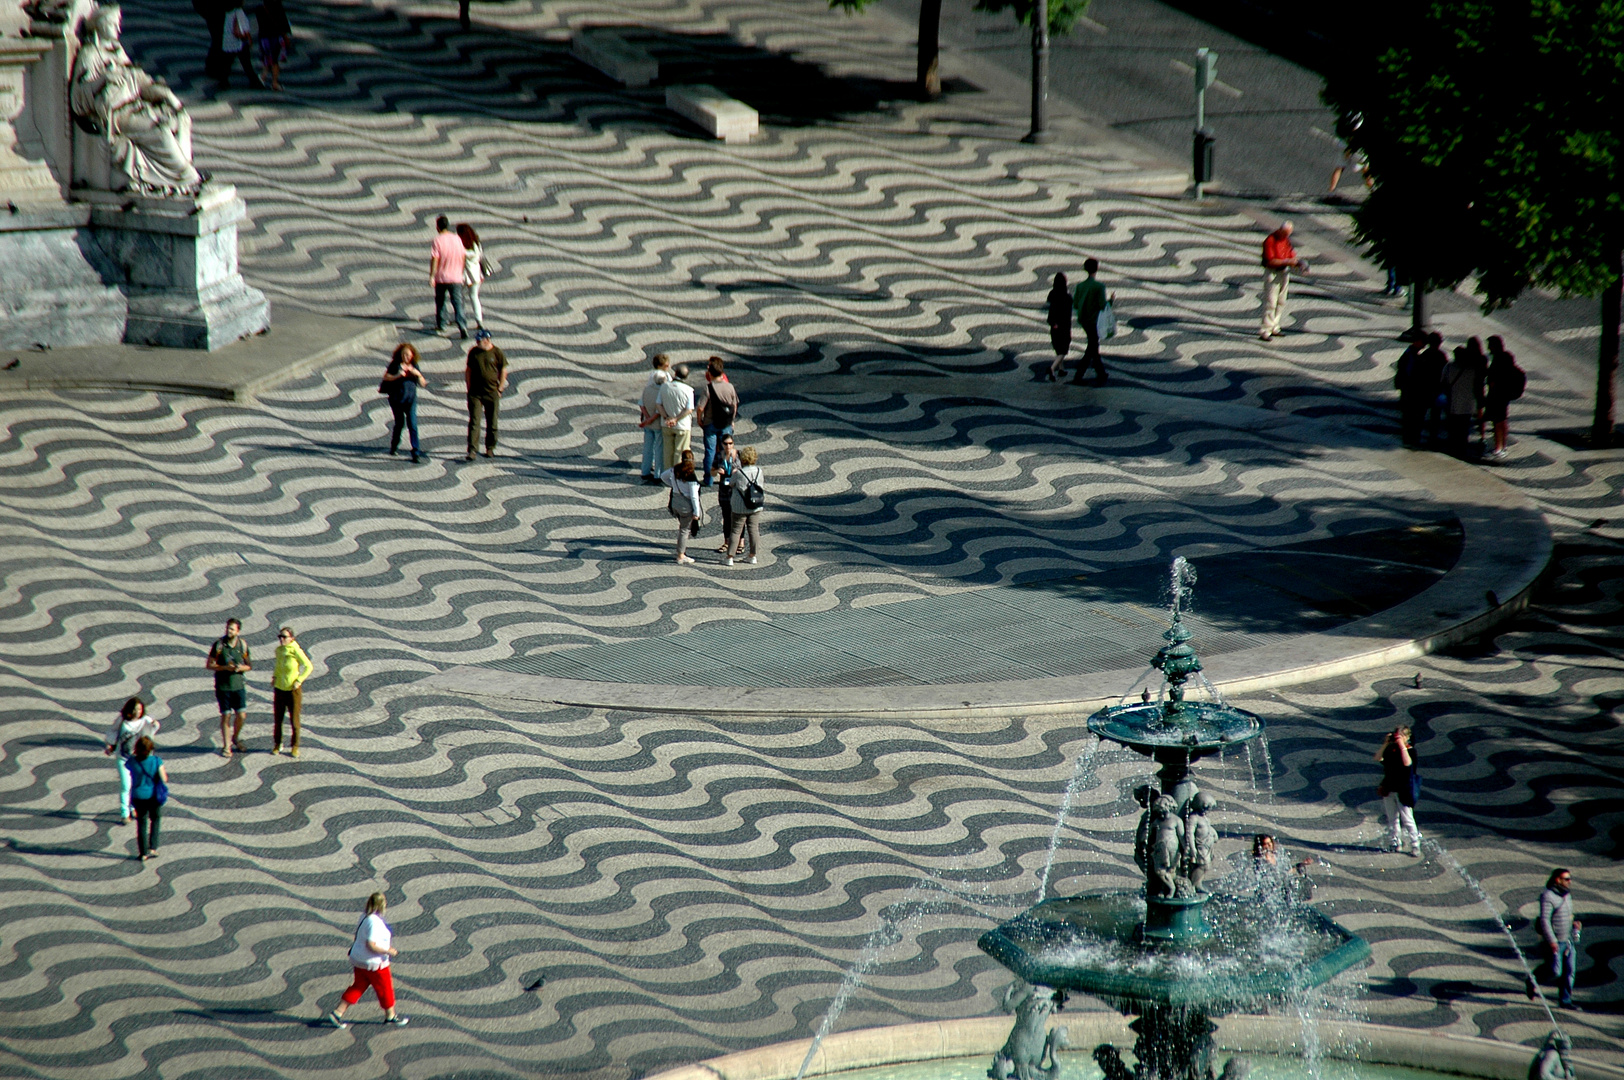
{"x": 683, "y": 886}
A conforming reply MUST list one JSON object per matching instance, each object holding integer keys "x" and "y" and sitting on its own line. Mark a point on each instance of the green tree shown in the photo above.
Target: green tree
{"x": 1493, "y": 132}
{"x": 1063, "y": 15}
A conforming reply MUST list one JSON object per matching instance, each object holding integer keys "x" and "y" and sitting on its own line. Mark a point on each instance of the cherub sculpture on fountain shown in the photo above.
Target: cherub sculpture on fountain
{"x": 1030, "y": 1043}
{"x": 1199, "y": 839}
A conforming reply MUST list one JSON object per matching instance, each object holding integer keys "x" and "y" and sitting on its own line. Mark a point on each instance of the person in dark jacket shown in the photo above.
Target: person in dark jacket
{"x": 274, "y": 36}
{"x": 1505, "y": 384}
{"x": 1398, "y": 789}
{"x": 401, "y": 379}
{"x": 1415, "y": 394}
{"x": 1429, "y": 372}
{"x": 1059, "y": 302}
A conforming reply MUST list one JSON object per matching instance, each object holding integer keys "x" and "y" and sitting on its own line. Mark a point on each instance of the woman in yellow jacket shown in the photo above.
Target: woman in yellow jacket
{"x": 293, "y": 667}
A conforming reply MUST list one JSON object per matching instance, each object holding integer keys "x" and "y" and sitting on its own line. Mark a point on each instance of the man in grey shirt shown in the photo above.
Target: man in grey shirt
{"x": 1559, "y": 931}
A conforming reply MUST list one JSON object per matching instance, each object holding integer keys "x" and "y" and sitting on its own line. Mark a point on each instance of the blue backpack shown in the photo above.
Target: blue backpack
{"x": 144, "y": 780}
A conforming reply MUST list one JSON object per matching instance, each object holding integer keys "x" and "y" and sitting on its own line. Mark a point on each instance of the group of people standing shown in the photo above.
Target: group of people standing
{"x": 1442, "y": 400}
{"x": 668, "y": 409}
{"x": 143, "y": 779}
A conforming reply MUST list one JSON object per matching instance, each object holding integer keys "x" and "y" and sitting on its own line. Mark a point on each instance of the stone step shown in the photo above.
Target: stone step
{"x": 729, "y": 120}
{"x": 622, "y": 61}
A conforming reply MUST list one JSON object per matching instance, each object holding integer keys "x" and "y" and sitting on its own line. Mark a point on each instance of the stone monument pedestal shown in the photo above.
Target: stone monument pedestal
{"x": 57, "y": 287}
{"x": 177, "y": 260}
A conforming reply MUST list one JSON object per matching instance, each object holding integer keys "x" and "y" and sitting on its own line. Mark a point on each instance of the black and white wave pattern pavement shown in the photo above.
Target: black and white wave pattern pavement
{"x": 679, "y": 887}
{"x": 589, "y": 894}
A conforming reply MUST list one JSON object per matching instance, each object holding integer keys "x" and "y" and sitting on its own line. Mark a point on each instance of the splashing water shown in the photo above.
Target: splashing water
{"x": 1449, "y": 860}
{"x": 1182, "y": 576}
{"x": 904, "y": 915}
{"x": 1268, "y": 770}
{"x": 1308, "y": 1019}
{"x": 1136, "y": 682}
{"x": 1211, "y": 689}
{"x": 1081, "y": 776}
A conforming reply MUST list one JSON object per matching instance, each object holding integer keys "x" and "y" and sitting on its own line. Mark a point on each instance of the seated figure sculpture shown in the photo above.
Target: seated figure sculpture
{"x": 144, "y": 123}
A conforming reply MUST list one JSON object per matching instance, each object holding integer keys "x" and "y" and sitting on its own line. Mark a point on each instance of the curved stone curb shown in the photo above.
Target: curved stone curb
{"x": 1506, "y": 546}
{"x": 943, "y": 1039}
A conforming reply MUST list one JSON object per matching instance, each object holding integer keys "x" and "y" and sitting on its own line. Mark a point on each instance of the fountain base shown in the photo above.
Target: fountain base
{"x": 1170, "y": 920}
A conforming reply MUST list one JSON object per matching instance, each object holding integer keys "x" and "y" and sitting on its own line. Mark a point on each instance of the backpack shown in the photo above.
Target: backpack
{"x": 749, "y": 490}
{"x": 1516, "y": 383}
{"x": 722, "y": 413}
{"x": 142, "y": 776}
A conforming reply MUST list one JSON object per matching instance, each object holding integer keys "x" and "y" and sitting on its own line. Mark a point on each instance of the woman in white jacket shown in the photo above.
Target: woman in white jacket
{"x": 684, "y": 504}
{"x": 132, "y": 723}
{"x": 472, "y": 274}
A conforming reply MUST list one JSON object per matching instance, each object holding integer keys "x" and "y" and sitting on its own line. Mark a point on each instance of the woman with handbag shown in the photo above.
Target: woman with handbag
{"x": 1399, "y": 789}
{"x": 745, "y": 493}
{"x": 684, "y": 502}
{"x": 149, "y": 790}
{"x": 473, "y": 268}
{"x": 401, "y": 380}
{"x": 132, "y": 723}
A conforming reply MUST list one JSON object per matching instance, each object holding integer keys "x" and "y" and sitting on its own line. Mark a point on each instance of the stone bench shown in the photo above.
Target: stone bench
{"x": 622, "y": 61}
{"x": 728, "y": 120}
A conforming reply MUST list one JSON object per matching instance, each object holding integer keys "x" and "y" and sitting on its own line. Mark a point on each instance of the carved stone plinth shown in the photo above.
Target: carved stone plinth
{"x": 57, "y": 288}
{"x": 178, "y": 260}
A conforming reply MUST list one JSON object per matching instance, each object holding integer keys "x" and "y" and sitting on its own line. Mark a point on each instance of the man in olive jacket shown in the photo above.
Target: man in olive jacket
{"x": 486, "y": 376}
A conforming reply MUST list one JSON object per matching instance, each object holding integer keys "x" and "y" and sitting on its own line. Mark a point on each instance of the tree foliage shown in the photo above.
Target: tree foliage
{"x": 1063, "y": 14}
{"x": 1495, "y": 132}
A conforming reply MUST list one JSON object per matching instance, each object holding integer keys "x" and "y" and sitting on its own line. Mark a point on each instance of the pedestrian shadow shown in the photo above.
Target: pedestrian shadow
{"x": 238, "y": 1017}
{"x": 59, "y": 850}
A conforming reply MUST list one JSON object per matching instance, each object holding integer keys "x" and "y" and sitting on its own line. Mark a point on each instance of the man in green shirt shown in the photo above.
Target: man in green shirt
{"x": 486, "y": 376}
{"x": 228, "y": 659}
{"x": 1089, "y": 301}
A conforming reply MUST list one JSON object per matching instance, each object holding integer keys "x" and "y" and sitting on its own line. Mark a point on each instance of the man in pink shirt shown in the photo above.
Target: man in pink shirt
{"x": 446, "y": 261}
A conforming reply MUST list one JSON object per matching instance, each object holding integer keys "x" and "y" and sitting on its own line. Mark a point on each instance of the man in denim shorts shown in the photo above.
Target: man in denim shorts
{"x": 228, "y": 659}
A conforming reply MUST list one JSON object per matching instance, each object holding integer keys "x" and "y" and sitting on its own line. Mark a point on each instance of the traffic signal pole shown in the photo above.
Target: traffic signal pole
{"x": 1201, "y": 150}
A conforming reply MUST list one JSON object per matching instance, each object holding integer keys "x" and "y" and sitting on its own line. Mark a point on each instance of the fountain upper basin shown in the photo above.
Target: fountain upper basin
{"x": 1199, "y": 726}
{"x": 1091, "y": 944}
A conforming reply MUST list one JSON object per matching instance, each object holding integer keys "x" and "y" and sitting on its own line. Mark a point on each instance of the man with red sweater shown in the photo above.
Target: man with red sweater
{"x": 1279, "y": 259}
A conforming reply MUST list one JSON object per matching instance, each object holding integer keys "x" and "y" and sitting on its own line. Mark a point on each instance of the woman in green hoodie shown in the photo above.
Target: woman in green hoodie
{"x": 293, "y": 667}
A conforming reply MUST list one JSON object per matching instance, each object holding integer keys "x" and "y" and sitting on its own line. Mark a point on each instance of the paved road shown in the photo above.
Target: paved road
{"x": 1128, "y": 65}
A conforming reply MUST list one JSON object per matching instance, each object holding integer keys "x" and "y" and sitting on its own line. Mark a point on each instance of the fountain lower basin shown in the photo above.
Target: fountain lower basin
{"x": 1097, "y": 944}
{"x": 943, "y": 1043}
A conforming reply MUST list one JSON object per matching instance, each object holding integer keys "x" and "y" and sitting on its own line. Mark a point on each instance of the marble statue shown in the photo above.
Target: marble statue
{"x": 1167, "y": 842}
{"x": 145, "y": 124}
{"x": 1199, "y": 839}
{"x": 1030, "y": 1043}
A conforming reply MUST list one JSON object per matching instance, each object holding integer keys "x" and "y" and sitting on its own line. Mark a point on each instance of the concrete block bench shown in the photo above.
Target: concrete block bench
{"x": 616, "y": 57}
{"x": 728, "y": 120}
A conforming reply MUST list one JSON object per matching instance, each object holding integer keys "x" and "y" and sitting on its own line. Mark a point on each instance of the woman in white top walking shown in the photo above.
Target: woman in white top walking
{"x": 132, "y": 723}
{"x": 473, "y": 274}
{"x": 370, "y": 953}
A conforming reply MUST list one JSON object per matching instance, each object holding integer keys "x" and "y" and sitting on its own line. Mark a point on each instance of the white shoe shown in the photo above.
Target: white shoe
{"x": 683, "y": 560}
{"x": 751, "y": 561}
{"x": 727, "y": 562}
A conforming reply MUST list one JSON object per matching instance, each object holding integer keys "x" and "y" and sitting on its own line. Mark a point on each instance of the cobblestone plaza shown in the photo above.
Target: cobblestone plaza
{"x": 595, "y": 891}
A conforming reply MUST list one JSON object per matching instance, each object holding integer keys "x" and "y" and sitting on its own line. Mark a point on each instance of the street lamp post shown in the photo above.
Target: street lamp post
{"x": 1040, "y": 74}
{"x": 1206, "y": 73}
